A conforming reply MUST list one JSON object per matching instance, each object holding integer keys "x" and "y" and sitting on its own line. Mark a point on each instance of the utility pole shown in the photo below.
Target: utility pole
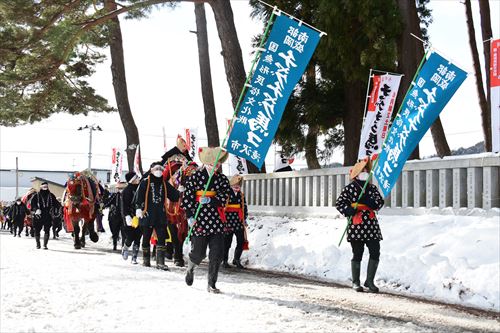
{"x": 91, "y": 128}
{"x": 17, "y": 177}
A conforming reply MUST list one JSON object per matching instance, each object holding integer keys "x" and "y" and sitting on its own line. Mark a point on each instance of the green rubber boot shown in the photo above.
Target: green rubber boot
{"x": 370, "y": 275}
{"x": 355, "y": 272}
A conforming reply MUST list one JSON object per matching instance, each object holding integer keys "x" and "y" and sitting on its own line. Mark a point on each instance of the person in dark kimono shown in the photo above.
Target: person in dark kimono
{"x": 113, "y": 202}
{"x": 43, "y": 204}
{"x": 152, "y": 210}
{"x": 364, "y": 228}
{"x": 236, "y": 215}
{"x": 17, "y": 214}
{"x": 208, "y": 227}
{"x": 133, "y": 233}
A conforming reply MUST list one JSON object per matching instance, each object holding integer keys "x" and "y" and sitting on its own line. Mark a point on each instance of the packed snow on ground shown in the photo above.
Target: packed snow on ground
{"x": 454, "y": 259}
{"x": 94, "y": 290}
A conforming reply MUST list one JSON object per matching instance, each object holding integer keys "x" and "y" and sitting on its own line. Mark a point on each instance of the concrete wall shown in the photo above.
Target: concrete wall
{"x": 455, "y": 184}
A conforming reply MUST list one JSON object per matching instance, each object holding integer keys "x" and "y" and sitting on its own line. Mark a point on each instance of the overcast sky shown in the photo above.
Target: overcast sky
{"x": 162, "y": 70}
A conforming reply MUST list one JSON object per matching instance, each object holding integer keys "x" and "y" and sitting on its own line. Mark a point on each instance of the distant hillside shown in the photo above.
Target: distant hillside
{"x": 476, "y": 149}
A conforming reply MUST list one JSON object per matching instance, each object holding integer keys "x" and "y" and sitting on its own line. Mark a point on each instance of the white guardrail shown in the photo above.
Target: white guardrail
{"x": 449, "y": 185}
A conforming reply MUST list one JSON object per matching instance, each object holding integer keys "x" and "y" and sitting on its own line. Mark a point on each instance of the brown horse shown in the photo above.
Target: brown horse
{"x": 79, "y": 200}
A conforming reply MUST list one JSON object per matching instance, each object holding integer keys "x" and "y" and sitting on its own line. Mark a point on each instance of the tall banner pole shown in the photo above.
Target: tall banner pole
{"x": 257, "y": 55}
{"x": 349, "y": 220}
{"x": 367, "y": 93}
{"x": 495, "y": 95}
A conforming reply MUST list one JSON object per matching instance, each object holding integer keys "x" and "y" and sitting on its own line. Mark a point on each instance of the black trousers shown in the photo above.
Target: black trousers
{"x": 115, "y": 227}
{"x": 199, "y": 248}
{"x": 18, "y": 225}
{"x": 133, "y": 235}
{"x": 161, "y": 233}
{"x": 228, "y": 240}
{"x": 175, "y": 247}
{"x": 44, "y": 222}
{"x": 358, "y": 248}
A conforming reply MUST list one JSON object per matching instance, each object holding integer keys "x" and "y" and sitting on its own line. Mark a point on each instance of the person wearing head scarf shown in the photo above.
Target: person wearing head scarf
{"x": 42, "y": 205}
{"x": 151, "y": 209}
{"x": 17, "y": 214}
{"x": 133, "y": 233}
{"x": 208, "y": 225}
{"x": 236, "y": 215}
{"x": 364, "y": 229}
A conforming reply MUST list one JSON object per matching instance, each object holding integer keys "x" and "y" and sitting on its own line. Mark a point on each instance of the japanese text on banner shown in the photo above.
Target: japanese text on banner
{"x": 436, "y": 83}
{"x": 378, "y": 115}
{"x": 287, "y": 53}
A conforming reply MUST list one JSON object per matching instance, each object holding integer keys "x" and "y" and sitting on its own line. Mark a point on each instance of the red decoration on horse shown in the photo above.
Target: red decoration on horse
{"x": 79, "y": 202}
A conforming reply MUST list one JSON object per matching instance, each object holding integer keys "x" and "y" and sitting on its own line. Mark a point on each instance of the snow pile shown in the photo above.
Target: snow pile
{"x": 449, "y": 258}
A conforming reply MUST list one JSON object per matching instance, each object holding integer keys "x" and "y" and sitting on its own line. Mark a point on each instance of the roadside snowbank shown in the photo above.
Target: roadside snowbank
{"x": 448, "y": 258}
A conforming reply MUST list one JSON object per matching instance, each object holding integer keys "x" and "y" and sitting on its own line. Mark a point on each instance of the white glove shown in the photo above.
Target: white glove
{"x": 138, "y": 213}
{"x": 128, "y": 220}
{"x": 181, "y": 188}
{"x": 191, "y": 221}
{"x": 38, "y": 212}
{"x": 204, "y": 200}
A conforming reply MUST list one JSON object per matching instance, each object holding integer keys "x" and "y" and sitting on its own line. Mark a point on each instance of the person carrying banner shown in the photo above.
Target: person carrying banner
{"x": 152, "y": 210}
{"x": 208, "y": 228}
{"x": 42, "y": 204}
{"x": 133, "y": 233}
{"x": 236, "y": 214}
{"x": 364, "y": 229}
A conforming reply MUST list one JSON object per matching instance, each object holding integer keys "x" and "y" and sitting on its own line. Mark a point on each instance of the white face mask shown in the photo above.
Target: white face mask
{"x": 363, "y": 176}
{"x": 44, "y": 187}
{"x": 157, "y": 173}
{"x": 18, "y": 202}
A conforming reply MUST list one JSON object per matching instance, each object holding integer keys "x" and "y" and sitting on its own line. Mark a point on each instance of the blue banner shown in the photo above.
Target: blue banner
{"x": 289, "y": 48}
{"x": 436, "y": 83}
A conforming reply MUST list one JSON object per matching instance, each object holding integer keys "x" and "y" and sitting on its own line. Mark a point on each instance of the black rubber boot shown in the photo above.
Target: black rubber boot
{"x": 146, "y": 257}
{"x": 213, "y": 272}
{"x": 238, "y": 264}
{"x": 190, "y": 272}
{"x": 37, "y": 238}
{"x": 46, "y": 240}
{"x": 225, "y": 264}
{"x": 370, "y": 276}
{"x": 115, "y": 244}
{"x": 355, "y": 271}
{"x": 160, "y": 258}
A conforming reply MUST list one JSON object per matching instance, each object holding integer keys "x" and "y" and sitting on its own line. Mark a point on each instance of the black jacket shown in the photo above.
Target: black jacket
{"x": 127, "y": 198}
{"x": 18, "y": 212}
{"x": 157, "y": 198}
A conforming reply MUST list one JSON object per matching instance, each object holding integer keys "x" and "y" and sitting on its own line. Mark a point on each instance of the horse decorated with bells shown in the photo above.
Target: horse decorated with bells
{"x": 79, "y": 202}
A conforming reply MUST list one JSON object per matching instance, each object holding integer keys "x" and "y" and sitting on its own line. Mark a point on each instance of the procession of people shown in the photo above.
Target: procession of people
{"x": 176, "y": 197}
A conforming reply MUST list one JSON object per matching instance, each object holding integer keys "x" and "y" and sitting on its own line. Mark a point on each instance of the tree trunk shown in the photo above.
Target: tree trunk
{"x": 311, "y": 147}
{"x": 479, "y": 77}
{"x": 484, "y": 9}
{"x": 411, "y": 51}
{"x": 120, "y": 86}
{"x": 231, "y": 53}
{"x": 311, "y": 140}
{"x": 206, "y": 76}
{"x": 352, "y": 119}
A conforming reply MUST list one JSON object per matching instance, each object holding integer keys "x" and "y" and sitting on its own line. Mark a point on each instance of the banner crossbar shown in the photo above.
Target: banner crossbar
{"x": 278, "y": 11}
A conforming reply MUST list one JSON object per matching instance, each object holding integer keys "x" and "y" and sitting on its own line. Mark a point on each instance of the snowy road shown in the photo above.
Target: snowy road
{"x": 93, "y": 290}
